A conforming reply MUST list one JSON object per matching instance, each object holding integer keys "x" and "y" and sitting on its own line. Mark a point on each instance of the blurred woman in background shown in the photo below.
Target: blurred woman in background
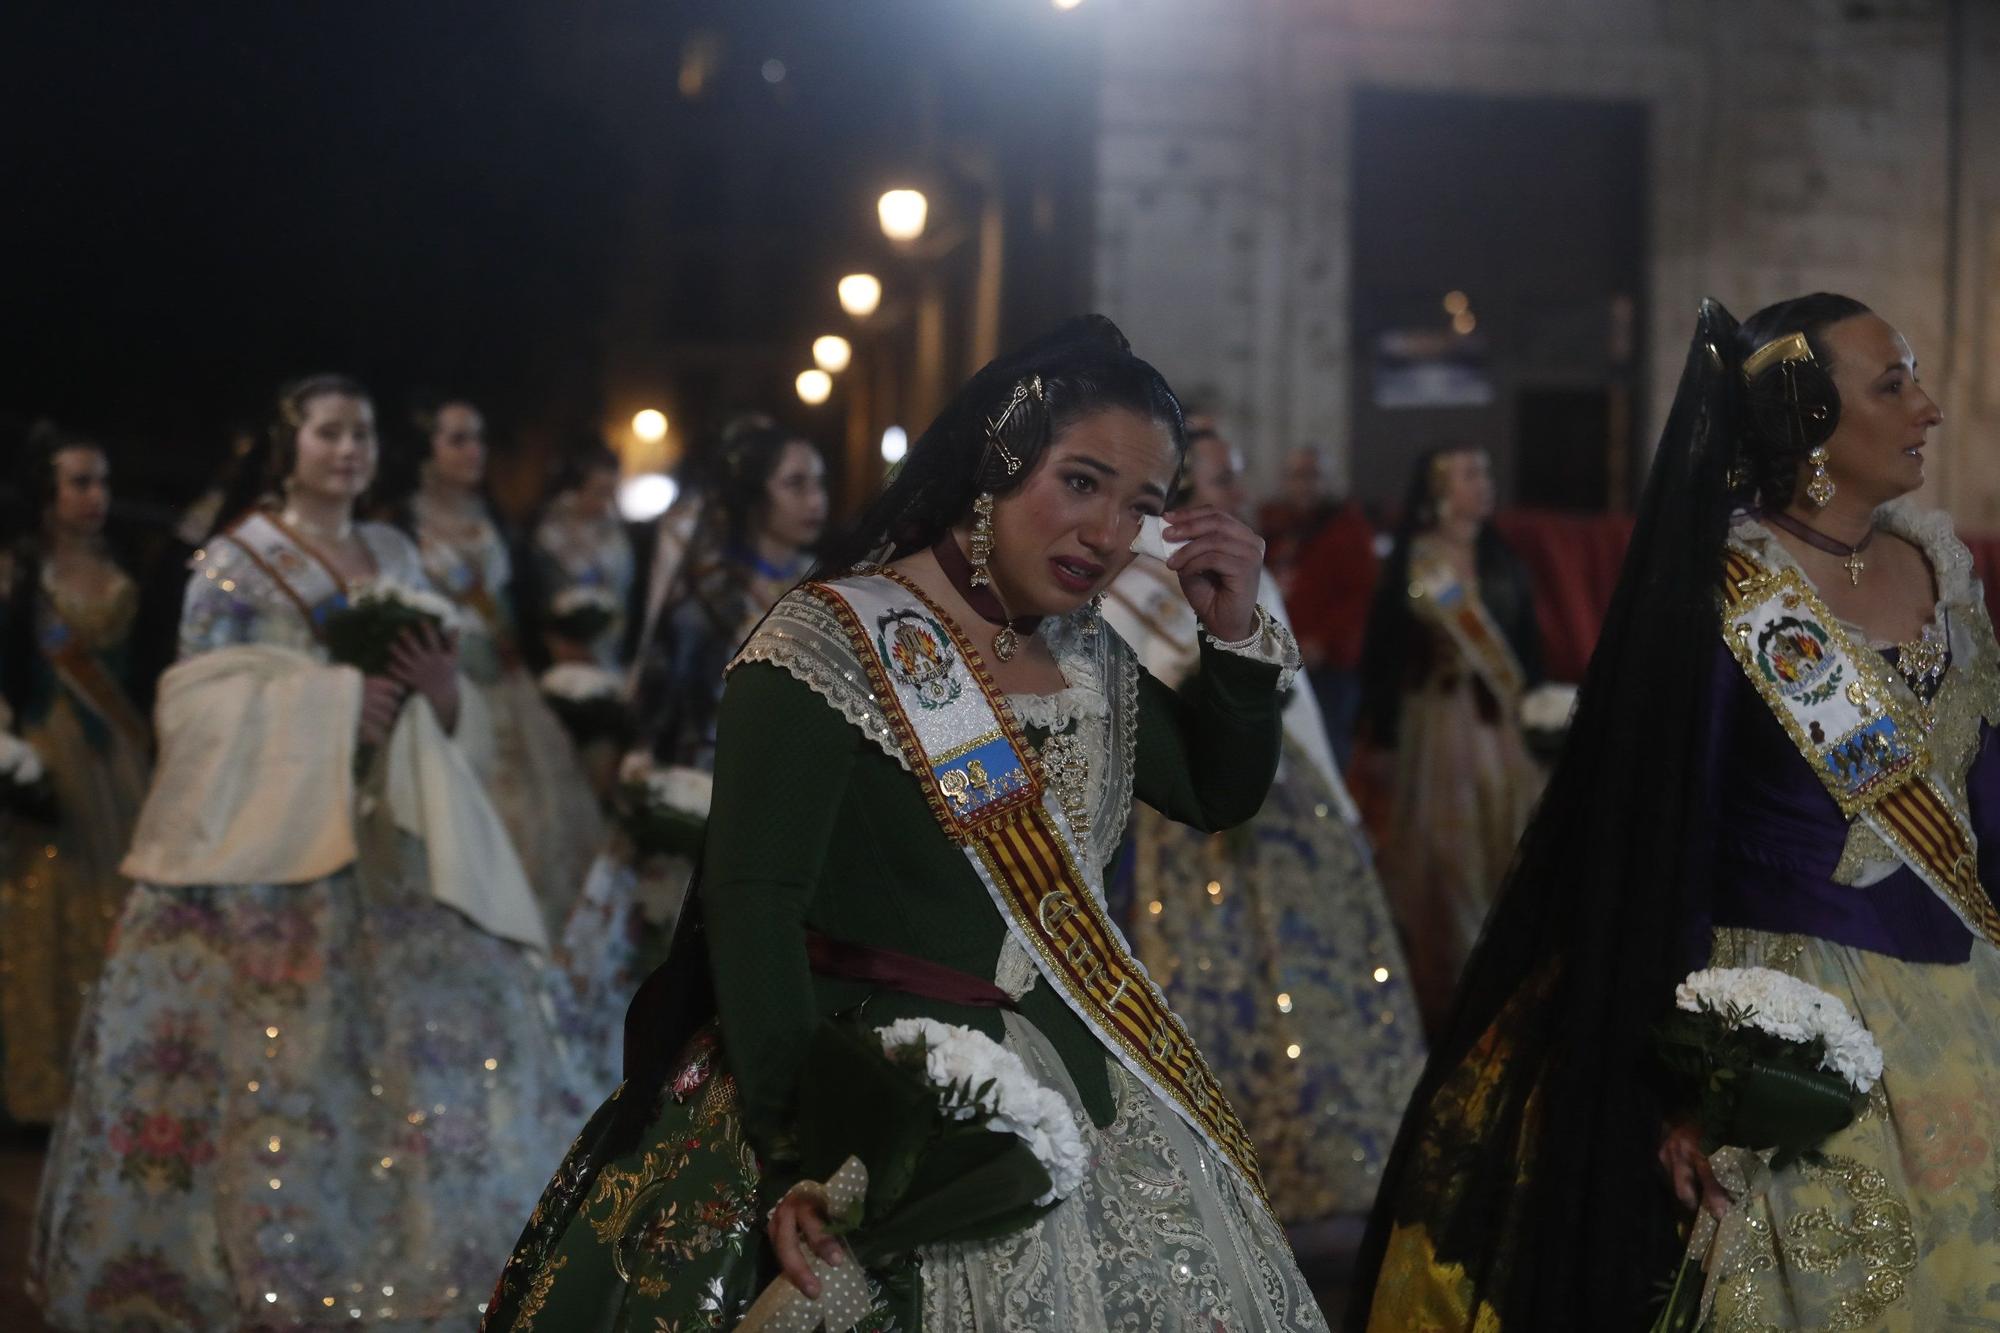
{"x": 315, "y": 1083}
{"x": 580, "y": 555}
{"x": 67, "y": 623}
{"x": 537, "y": 784}
{"x": 1452, "y": 647}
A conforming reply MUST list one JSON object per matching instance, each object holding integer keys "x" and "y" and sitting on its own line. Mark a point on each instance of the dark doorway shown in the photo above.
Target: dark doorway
{"x": 1498, "y": 280}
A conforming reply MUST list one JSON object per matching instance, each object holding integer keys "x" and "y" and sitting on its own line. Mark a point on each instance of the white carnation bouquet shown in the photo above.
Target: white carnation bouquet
{"x": 918, "y": 1133}
{"x": 24, "y": 780}
{"x": 664, "y": 811}
{"x": 582, "y": 612}
{"x": 589, "y": 700}
{"x": 365, "y": 632}
{"x": 1776, "y": 1065}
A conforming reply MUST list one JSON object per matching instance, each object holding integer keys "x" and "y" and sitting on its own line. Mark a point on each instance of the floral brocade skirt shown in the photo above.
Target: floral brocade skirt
{"x": 307, "y": 1106}
{"x": 666, "y": 1236}
{"x": 1275, "y": 945}
{"x": 1898, "y": 1226}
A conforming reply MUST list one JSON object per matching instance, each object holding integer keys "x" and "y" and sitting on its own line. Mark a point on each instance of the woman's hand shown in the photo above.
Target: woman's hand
{"x": 381, "y": 700}
{"x": 425, "y": 661}
{"x": 1688, "y": 1170}
{"x": 1219, "y": 568}
{"x": 799, "y": 1223}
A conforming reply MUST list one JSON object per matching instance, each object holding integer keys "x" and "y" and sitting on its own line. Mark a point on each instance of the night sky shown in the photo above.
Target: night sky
{"x": 501, "y": 199}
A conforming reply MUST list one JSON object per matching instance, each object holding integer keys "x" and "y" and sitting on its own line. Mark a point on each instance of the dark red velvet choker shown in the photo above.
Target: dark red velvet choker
{"x": 958, "y": 568}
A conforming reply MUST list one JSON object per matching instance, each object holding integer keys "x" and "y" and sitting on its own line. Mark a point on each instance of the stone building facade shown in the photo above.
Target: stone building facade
{"x": 1794, "y": 145}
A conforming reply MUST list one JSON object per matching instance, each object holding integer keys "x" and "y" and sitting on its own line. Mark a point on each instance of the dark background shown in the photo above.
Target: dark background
{"x": 563, "y": 210}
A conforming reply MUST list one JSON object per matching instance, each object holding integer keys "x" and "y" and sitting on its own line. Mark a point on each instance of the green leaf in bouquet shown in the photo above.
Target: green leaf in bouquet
{"x": 973, "y": 1184}
{"x": 1790, "y": 1109}
{"x": 854, "y": 1099}
{"x": 363, "y": 634}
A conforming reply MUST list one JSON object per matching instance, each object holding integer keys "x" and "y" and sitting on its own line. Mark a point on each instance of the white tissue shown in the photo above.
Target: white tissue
{"x": 1152, "y": 539}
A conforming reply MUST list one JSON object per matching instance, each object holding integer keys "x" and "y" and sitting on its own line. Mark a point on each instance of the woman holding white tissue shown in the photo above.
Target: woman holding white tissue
{"x": 316, "y": 1082}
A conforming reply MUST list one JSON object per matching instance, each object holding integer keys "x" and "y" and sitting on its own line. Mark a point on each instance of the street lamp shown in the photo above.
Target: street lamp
{"x": 895, "y": 444}
{"x": 903, "y": 213}
{"x": 860, "y": 294}
{"x": 832, "y": 353}
{"x": 814, "y": 386}
{"x": 650, "y": 425}
{"x": 1067, "y": 4}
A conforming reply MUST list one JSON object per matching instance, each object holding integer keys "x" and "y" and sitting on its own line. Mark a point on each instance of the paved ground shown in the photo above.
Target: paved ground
{"x": 1325, "y": 1250}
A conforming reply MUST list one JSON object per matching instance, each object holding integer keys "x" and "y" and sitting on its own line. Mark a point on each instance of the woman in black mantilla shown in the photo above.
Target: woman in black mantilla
{"x": 1685, "y": 828}
{"x": 830, "y": 879}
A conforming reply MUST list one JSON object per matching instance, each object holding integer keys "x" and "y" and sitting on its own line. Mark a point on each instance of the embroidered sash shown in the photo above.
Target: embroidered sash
{"x": 1835, "y": 701}
{"x": 301, "y": 574}
{"x": 84, "y": 676}
{"x": 1440, "y": 597}
{"x": 967, "y": 750}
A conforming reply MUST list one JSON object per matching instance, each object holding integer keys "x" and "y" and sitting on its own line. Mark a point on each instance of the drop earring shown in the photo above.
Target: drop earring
{"x": 982, "y": 539}
{"x": 1819, "y": 487}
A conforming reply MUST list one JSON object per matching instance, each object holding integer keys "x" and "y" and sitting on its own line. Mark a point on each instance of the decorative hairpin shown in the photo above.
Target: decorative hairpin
{"x": 1030, "y": 387}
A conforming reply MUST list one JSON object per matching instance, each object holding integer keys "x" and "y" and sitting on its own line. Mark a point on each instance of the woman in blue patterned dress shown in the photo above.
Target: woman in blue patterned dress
{"x": 315, "y": 1085}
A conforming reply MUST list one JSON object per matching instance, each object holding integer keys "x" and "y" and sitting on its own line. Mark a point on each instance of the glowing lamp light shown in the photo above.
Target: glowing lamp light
{"x": 643, "y": 498}
{"x": 1464, "y": 322}
{"x": 1456, "y": 303}
{"x": 650, "y": 426}
{"x": 814, "y": 386}
{"x": 1066, "y": 5}
{"x": 895, "y": 446}
{"x": 832, "y": 353}
{"x": 903, "y": 213}
{"x": 860, "y": 294}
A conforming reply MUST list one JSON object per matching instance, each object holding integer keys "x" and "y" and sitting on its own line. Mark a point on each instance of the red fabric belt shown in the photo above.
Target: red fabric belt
{"x": 841, "y": 960}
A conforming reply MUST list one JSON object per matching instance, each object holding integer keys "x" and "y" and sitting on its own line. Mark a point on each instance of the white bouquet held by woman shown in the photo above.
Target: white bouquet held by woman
{"x": 663, "y": 810}
{"x": 589, "y": 700}
{"x": 916, "y": 1134}
{"x": 583, "y": 612}
{"x": 1792, "y": 1010}
{"x": 1775, "y": 1064}
{"x": 990, "y": 1083}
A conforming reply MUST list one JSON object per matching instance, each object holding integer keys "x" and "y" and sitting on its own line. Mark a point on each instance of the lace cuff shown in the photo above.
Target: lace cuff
{"x": 1269, "y": 641}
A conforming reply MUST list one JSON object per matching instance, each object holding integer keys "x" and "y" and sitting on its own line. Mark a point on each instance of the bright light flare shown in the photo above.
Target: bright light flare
{"x": 860, "y": 294}
{"x": 1066, "y": 5}
{"x": 903, "y": 214}
{"x": 1456, "y": 303}
{"x": 814, "y": 386}
{"x": 650, "y": 425}
{"x": 643, "y": 498}
{"x": 832, "y": 353}
{"x": 895, "y": 444}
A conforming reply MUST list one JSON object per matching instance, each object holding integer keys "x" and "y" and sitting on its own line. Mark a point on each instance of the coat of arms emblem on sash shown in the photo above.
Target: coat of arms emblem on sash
{"x": 919, "y": 653}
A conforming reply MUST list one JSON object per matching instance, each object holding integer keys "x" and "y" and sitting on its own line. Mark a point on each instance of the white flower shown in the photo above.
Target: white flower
{"x": 1016, "y": 1104}
{"x": 579, "y": 681}
{"x": 19, "y": 760}
{"x": 419, "y": 600}
{"x": 689, "y": 791}
{"x": 1548, "y": 707}
{"x": 1788, "y": 1008}
{"x": 585, "y": 597}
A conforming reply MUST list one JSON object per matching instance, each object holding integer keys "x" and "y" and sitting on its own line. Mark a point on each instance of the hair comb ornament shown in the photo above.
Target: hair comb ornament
{"x": 1030, "y": 387}
{"x": 1793, "y": 403}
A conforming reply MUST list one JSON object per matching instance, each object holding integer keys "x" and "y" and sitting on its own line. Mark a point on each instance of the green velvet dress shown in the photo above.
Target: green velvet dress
{"x": 817, "y": 825}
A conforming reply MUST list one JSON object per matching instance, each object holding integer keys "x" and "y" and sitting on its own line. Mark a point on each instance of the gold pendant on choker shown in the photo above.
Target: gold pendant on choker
{"x": 1005, "y": 643}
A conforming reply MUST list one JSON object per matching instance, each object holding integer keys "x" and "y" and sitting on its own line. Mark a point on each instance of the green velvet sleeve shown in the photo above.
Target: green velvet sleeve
{"x": 1207, "y": 756}
{"x": 782, "y": 764}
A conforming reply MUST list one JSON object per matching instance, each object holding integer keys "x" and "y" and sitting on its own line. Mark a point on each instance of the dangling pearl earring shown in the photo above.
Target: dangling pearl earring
{"x": 1819, "y": 489}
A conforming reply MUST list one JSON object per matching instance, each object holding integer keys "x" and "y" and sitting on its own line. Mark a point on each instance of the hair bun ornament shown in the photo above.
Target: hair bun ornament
{"x": 1791, "y": 399}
